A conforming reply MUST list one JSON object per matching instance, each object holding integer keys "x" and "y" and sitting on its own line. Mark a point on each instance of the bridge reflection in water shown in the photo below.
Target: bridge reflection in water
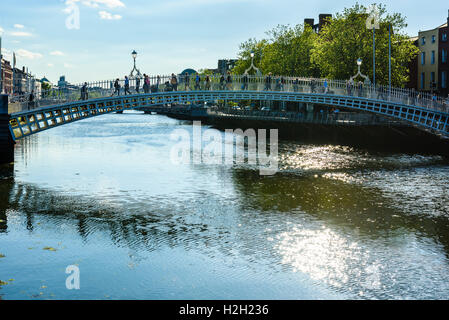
{"x": 329, "y": 224}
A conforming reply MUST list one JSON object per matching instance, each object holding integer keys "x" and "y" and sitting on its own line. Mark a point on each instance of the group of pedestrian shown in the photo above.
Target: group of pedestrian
{"x": 351, "y": 87}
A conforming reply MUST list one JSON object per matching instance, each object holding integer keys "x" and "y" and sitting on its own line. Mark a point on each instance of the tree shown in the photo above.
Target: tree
{"x": 244, "y": 61}
{"x": 346, "y": 38}
{"x": 45, "y": 87}
{"x": 288, "y": 52}
{"x": 204, "y": 72}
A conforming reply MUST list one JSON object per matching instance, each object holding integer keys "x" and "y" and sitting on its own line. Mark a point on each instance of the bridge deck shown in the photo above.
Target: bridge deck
{"x": 28, "y": 122}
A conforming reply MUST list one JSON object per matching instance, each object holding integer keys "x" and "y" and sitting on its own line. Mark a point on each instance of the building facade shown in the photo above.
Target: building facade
{"x": 225, "y": 65}
{"x": 432, "y": 75}
{"x": 24, "y": 82}
{"x": 443, "y": 62}
{"x": 6, "y": 77}
{"x": 20, "y": 81}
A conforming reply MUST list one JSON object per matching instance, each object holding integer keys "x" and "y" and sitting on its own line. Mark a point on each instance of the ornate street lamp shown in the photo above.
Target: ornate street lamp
{"x": 359, "y": 73}
{"x": 138, "y": 74}
{"x": 252, "y": 66}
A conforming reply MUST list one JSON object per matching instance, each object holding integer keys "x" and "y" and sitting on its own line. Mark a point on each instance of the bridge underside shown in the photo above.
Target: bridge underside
{"x": 26, "y": 123}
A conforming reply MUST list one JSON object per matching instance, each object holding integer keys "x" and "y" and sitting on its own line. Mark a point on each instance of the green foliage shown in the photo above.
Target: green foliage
{"x": 244, "y": 56}
{"x": 344, "y": 40}
{"x": 299, "y": 51}
{"x": 203, "y": 72}
{"x": 45, "y": 86}
{"x": 288, "y": 52}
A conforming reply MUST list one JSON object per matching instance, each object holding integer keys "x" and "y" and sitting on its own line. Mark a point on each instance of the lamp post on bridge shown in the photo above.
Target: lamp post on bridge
{"x": 252, "y": 66}
{"x": 138, "y": 74}
{"x": 359, "y": 73}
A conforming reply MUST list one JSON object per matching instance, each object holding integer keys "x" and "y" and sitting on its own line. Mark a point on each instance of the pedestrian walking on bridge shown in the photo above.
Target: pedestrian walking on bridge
{"x": 229, "y": 81}
{"x": 158, "y": 82}
{"x": 268, "y": 82}
{"x": 174, "y": 82}
{"x": 31, "y": 100}
{"x": 127, "y": 86}
{"x": 207, "y": 82}
{"x": 245, "y": 82}
{"x": 84, "y": 91}
{"x": 138, "y": 84}
{"x": 197, "y": 81}
{"x": 187, "y": 81}
{"x": 116, "y": 87}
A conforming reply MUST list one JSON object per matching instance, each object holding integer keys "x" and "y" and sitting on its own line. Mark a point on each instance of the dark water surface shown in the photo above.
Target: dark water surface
{"x": 334, "y": 223}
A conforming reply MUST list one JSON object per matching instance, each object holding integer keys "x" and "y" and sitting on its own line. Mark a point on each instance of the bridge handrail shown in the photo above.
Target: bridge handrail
{"x": 286, "y": 84}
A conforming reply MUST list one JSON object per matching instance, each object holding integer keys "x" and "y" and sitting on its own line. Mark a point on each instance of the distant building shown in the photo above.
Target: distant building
{"x": 6, "y": 77}
{"x": 443, "y": 58}
{"x": 322, "y": 20}
{"x": 20, "y": 79}
{"x": 62, "y": 83}
{"x": 189, "y": 71}
{"x": 225, "y": 65}
{"x": 433, "y": 59}
{"x": 45, "y": 80}
{"x": 183, "y": 73}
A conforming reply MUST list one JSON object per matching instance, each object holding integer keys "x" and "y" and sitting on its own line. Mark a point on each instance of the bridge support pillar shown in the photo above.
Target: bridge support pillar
{"x": 6, "y": 140}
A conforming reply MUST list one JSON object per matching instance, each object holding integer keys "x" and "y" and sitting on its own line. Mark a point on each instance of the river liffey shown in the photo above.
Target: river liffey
{"x": 334, "y": 223}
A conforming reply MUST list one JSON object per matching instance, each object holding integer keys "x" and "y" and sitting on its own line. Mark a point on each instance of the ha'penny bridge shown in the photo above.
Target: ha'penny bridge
{"x": 20, "y": 118}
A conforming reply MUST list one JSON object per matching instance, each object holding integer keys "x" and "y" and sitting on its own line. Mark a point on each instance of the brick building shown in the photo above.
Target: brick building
{"x": 443, "y": 62}
{"x": 6, "y": 76}
{"x": 432, "y": 60}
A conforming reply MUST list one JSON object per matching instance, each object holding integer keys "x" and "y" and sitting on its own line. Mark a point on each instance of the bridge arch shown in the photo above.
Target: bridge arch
{"x": 26, "y": 123}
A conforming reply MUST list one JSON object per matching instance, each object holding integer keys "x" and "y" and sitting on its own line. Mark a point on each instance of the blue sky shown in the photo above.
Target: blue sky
{"x": 169, "y": 35}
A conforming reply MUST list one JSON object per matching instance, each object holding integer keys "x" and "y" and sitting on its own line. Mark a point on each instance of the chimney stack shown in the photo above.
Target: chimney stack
{"x": 310, "y": 22}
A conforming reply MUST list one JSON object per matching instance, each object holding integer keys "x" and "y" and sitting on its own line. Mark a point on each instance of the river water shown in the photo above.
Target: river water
{"x": 334, "y": 223}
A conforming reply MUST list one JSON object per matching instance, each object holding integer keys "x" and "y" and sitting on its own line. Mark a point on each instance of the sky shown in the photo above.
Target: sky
{"x": 88, "y": 40}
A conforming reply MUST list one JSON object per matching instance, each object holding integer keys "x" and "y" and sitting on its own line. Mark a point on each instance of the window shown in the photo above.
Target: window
{"x": 423, "y": 40}
{"x": 444, "y": 79}
{"x": 433, "y": 39}
{"x": 432, "y": 78}
{"x": 444, "y": 55}
{"x": 423, "y": 80}
{"x": 432, "y": 58}
{"x": 444, "y": 37}
{"x": 423, "y": 58}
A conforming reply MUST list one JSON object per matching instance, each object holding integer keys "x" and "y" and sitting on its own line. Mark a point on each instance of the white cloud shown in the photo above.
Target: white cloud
{"x": 28, "y": 54}
{"x": 20, "y": 34}
{"x": 1, "y": 31}
{"x": 68, "y": 65}
{"x": 96, "y": 3}
{"x": 19, "y": 26}
{"x": 90, "y": 4}
{"x": 57, "y": 53}
{"x": 108, "y": 16}
{"x": 51, "y": 65}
